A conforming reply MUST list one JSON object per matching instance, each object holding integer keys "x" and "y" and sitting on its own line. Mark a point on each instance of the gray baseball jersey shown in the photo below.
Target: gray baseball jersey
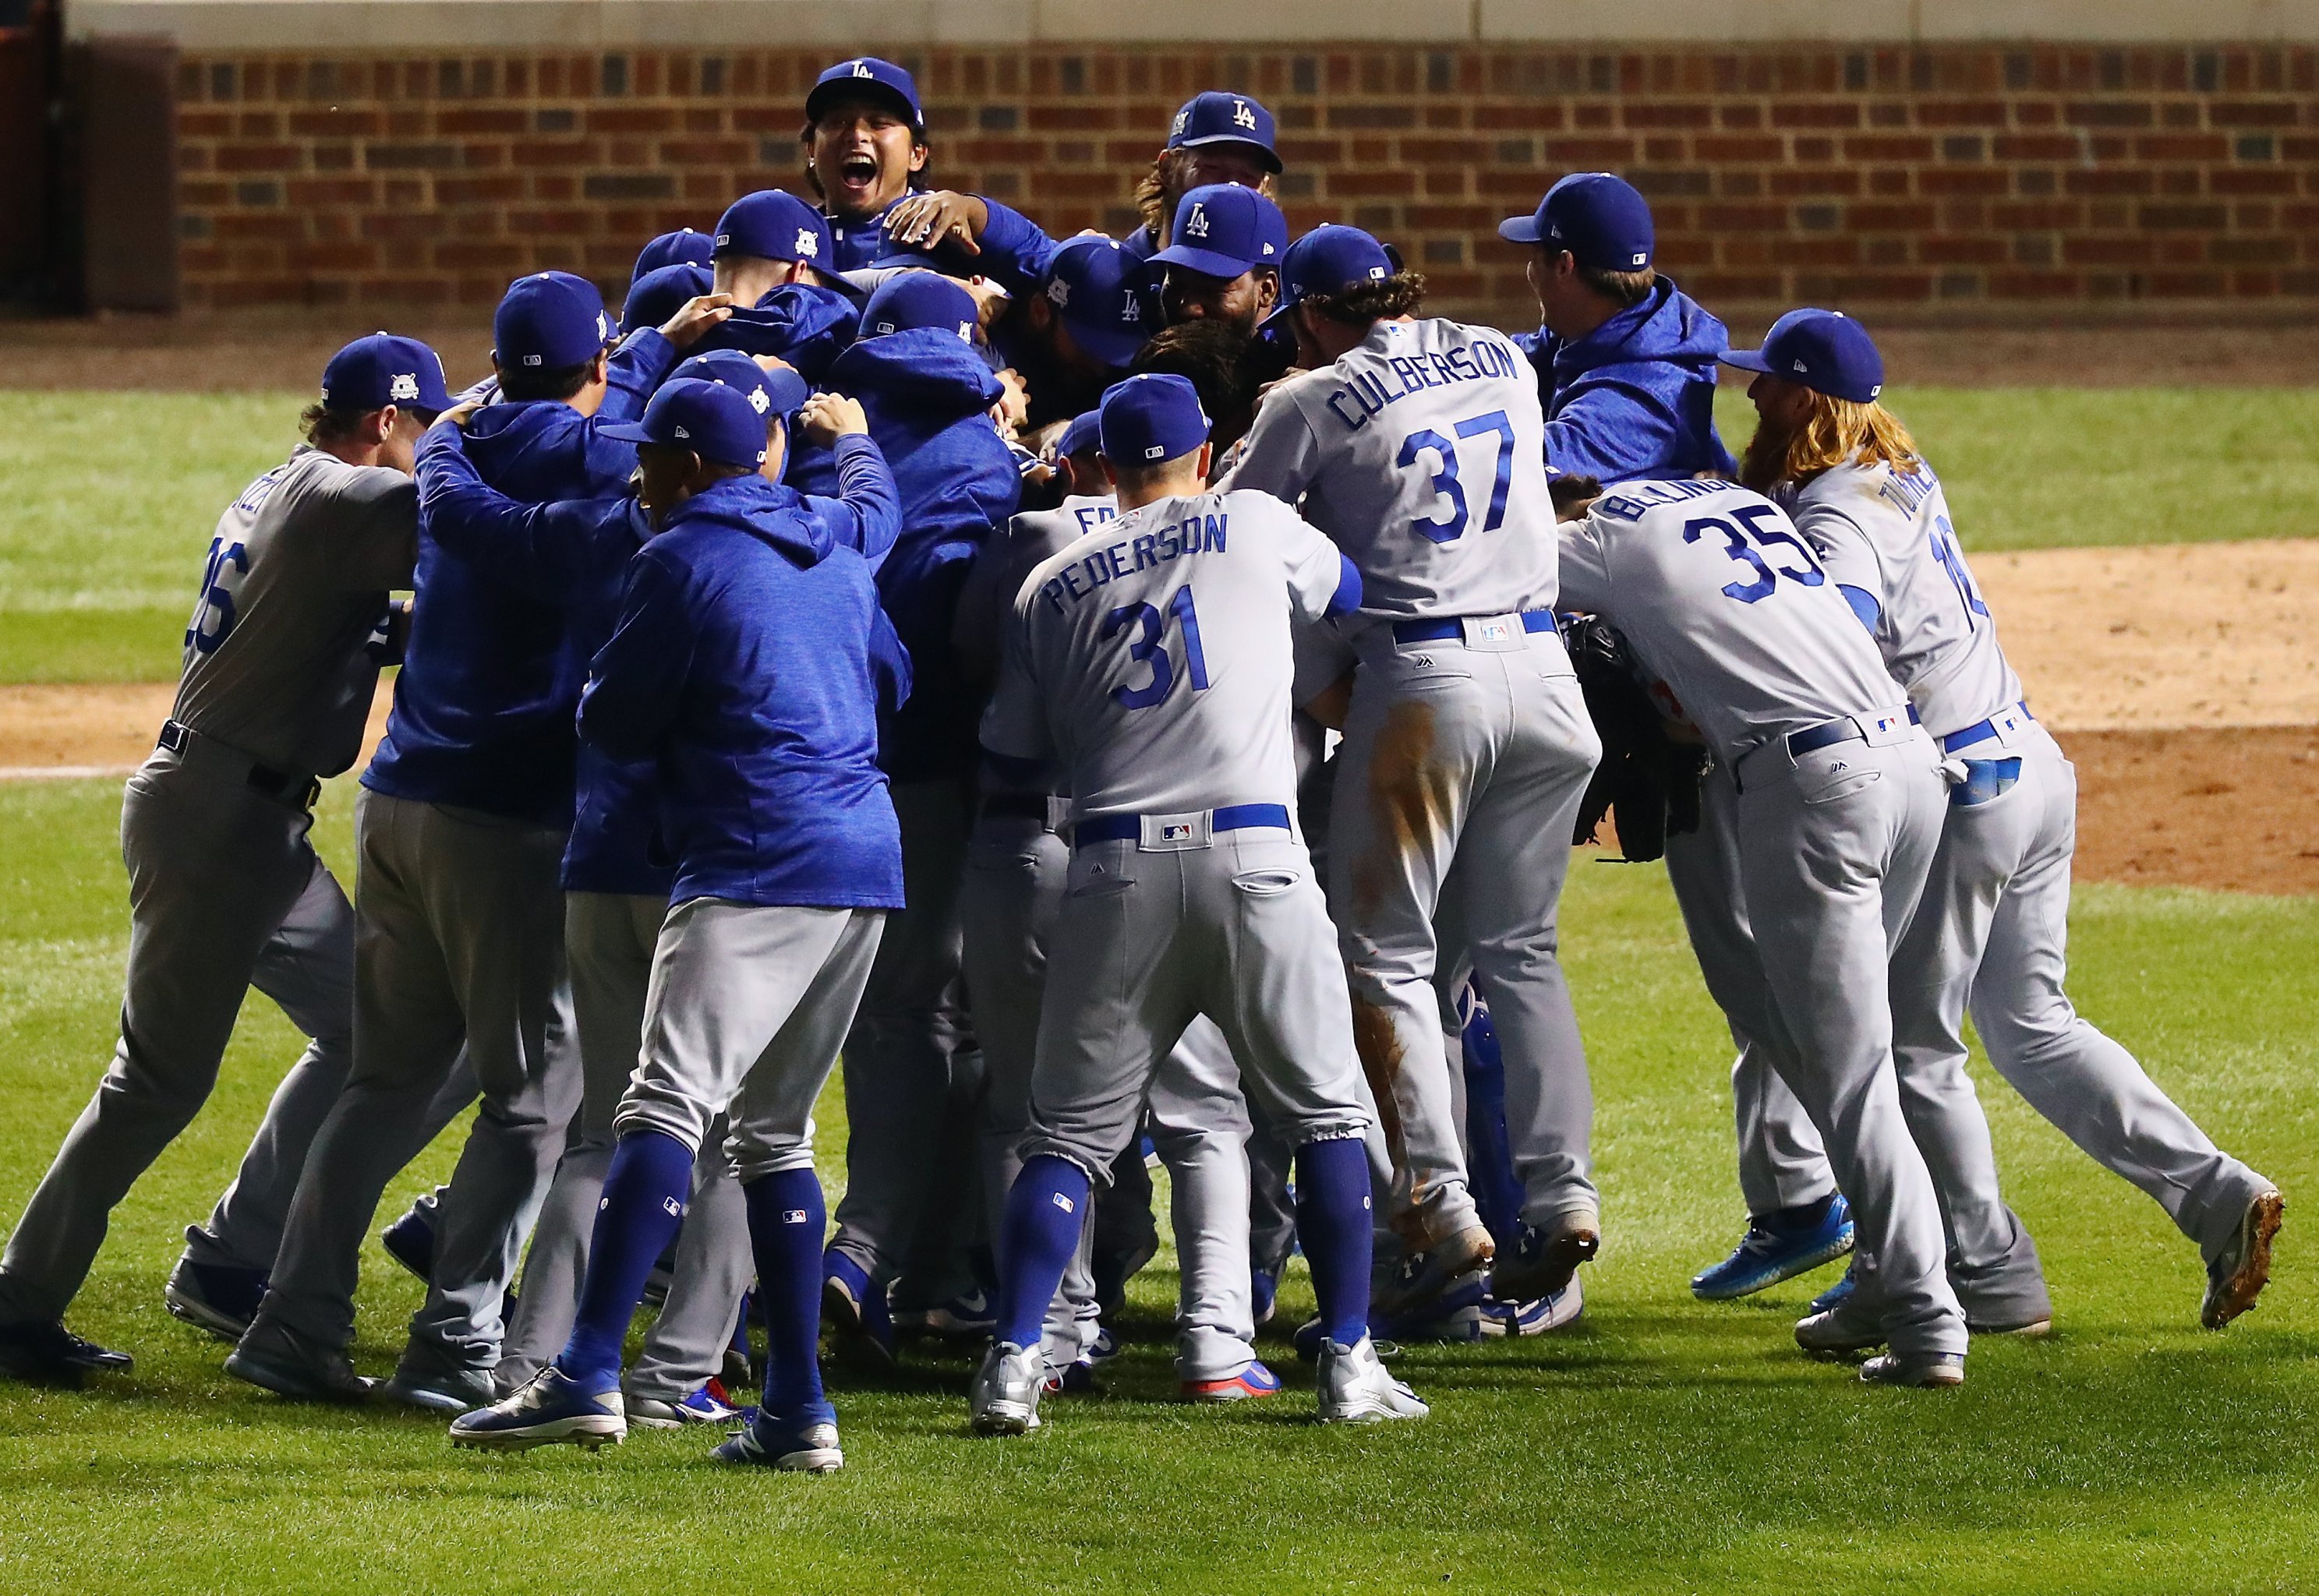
{"x": 1725, "y": 603}
{"x": 290, "y": 684}
{"x": 1154, "y": 661}
{"x": 987, "y": 599}
{"x": 1887, "y": 533}
{"x": 1421, "y": 452}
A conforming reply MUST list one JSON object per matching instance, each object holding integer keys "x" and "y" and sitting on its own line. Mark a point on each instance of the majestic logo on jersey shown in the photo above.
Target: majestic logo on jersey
{"x": 1243, "y": 117}
{"x": 1195, "y": 226}
{"x": 405, "y": 387}
{"x": 760, "y": 400}
{"x": 808, "y": 247}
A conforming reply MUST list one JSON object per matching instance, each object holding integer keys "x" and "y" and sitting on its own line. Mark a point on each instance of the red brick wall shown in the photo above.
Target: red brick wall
{"x": 1968, "y": 176}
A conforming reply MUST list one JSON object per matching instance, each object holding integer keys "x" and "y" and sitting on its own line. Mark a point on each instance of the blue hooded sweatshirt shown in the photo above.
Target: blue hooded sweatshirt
{"x": 575, "y": 555}
{"x": 482, "y": 710}
{"x": 1634, "y": 398}
{"x": 751, "y": 668}
{"x": 927, "y": 395}
{"x": 803, "y": 323}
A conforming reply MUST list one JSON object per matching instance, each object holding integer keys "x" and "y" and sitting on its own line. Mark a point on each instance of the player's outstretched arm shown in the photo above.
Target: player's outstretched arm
{"x": 546, "y": 551}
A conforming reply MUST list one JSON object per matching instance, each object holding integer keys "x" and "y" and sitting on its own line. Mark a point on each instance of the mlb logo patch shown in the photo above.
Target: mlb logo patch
{"x": 671, "y": 1207}
{"x": 1156, "y": 452}
{"x": 793, "y": 1216}
{"x": 1175, "y": 831}
{"x": 1065, "y": 1203}
{"x": 1495, "y": 631}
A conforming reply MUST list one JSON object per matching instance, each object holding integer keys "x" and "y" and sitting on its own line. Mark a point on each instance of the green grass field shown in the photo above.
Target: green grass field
{"x": 1660, "y": 1445}
{"x": 100, "y": 546}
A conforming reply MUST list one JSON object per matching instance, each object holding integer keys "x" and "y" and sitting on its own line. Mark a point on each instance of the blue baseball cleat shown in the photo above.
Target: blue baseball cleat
{"x": 1537, "y": 1316}
{"x": 220, "y": 1298}
{"x": 854, "y": 1306}
{"x": 409, "y": 1241}
{"x": 547, "y": 1409}
{"x": 1776, "y": 1248}
{"x": 1264, "y": 1294}
{"x": 1254, "y": 1381}
{"x": 1836, "y": 1295}
{"x": 804, "y": 1443}
{"x": 703, "y": 1404}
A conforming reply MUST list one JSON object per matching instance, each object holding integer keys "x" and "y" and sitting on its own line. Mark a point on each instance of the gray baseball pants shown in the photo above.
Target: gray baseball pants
{"x": 1462, "y": 770}
{"x": 1834, "y": 850}
{"x": 459, "y": 940}
{"x": 744, "y": 1014}
{"x": 225, "y": 893}
{"x": 609, "y": 940}
{"x": 912, "y": 1069}
{"x": 1153, "y": 935}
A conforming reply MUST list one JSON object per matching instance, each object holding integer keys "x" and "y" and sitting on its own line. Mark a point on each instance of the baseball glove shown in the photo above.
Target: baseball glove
{"x": 1649, "y": 778}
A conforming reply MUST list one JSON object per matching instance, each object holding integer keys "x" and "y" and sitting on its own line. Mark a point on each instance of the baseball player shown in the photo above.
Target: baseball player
{"x": 1839, "y": 808}
{"x": 911, "y": 1072}
{"x": 771, "y": 251}
{"x": 1989, "y": 936}
{"x": 226, "y": 893}
{"x": 1071, "y": 336}
{"x": 1189, "y": 889}
{"x": 459, "y": 920}
{"x": 686, "y": 246}
{"x": 865, "y": 145}
{"x": 1224, "y": 262}
{"x": 1417, "y": 448}
{"x": 749, "y": 661}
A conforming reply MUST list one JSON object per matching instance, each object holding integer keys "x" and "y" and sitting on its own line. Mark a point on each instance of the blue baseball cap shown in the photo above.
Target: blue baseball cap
{"x": 871, "y": 77}
{"x": 910, "y": 300}
{"x": 1084, "y": 433}
{"x": 548, "y": 320}
{"x": 372, "y": 373}
{"x": 1220, "y": 117}
{"x": 782, "y": 390}
{"x": 1824, "y": 350}
{"x": 1096, "y": 287}
{"x": 1223, "y": 231}
{"x": 661, "y": 292}
{"x": 1601, "y": 220}
{"x": 1151, "y": 417}
{"x": 715, "y": 422}
{"x": 1329, "y": 259}
{"x": 775, "y": 224}
{"x": 685, "y": 244}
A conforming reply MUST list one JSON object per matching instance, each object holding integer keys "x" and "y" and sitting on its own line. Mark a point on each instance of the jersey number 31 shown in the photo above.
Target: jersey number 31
{"x": 1148, "y": 647}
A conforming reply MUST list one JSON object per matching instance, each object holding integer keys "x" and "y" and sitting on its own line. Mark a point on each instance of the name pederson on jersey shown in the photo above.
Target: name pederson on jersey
{"x": 1421, "y": 453}
{"x": 297, "y": 576}
{"x": 1724, "y": 601}
{"x": 1153, "y": 659}
{"x": 1887, "y": 533}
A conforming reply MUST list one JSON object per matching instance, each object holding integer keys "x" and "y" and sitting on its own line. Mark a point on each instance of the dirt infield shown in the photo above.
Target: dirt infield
{"x": 277, "y": 350}
{"x": 2184, "y": 680}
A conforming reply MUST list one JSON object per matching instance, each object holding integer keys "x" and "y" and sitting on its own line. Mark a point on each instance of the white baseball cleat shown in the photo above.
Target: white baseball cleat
{"x": 1357, "y": 1389}
{"x": 1005, "y": 1398}
{"x": 544, "y": 1411}
{"x": 1927, "y": 1371}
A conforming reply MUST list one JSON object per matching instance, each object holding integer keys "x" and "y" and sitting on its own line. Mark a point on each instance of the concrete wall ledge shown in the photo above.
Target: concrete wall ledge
{"x": 311, "y": 26}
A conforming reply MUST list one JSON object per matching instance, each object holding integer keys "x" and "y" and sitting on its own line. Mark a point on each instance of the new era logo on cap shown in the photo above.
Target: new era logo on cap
{"x": 681, "y": 432}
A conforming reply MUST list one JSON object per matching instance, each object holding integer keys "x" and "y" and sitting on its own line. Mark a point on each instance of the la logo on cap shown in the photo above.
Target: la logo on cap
{"x": 1196, "y": 226}
{"x": 862, "y": 70}
{"x": 1243, "y": 117}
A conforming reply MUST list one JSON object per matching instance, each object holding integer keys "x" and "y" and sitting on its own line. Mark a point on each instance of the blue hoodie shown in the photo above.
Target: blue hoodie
{"x": 927, "y": 395}
{"x": 482, "y": 710}
{"x": 750, "y": 667}
{"x": 574, "y": 555}
{"x": 803, "y": 323}
{"x": 1634, "y": 398}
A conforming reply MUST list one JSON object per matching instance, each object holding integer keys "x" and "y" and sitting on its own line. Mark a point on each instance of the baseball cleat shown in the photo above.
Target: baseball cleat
{"x": 854, "y": 1306}
{"x": 1921, "y": 1371}
{"x": 2237, "y": 1278}
{"x": 1536, "y": 1317}
{"x": 1254, "y": 1381}
{"x": 1357, "y": 1389}
{"x": 1104, "y": 1346}
{"x": 1842, "y": 1331}
{"x": 43, "y": 1352}
{"x": 806, "y": 1444}
{"x": 2027, "y": 1330}
{"x": 1005, "y": 1397}
{"x": 1076, "y": 1378}
{"x": 1264, "y": 1296}
{"x": 425, "y": 1376}
{"x": 703, "y": 1404}
{"x": 288, "y": 1364}
{"x": 961, "y": 1318}
{"x": 411, "y": 1242}
{"x": 1836, "y": 1295}
{"x": 1425, "y": 1279}
{"x": 219, "y": 1298}
{"x": 549, "y": 1410}
{"x": 1774, "y": 1250}
{"x": 1542, "y": 1265}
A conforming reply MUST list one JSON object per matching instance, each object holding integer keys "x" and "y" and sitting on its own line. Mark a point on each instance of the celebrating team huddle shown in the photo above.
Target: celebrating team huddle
{"x": 1115, "y": 701}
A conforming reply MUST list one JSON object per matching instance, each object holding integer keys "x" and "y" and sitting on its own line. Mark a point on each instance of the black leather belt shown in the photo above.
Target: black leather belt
{"x": 180, "y": 739}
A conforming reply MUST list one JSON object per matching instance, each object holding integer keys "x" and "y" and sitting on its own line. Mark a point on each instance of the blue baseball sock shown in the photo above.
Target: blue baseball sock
{"x": 787, "y": 1223}
{"x": 1332, "y": 1222}
{"x": 642, "y": 1207}
{"x": 1045, "y": 1210}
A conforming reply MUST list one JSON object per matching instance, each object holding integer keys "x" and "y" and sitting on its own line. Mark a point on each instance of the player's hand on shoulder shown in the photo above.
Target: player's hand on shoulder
{"x": 695, "y": 317}
{"x": 828, "y": 416}
{"x": 461, "y": 413}
{"x": 923, "y": 221}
